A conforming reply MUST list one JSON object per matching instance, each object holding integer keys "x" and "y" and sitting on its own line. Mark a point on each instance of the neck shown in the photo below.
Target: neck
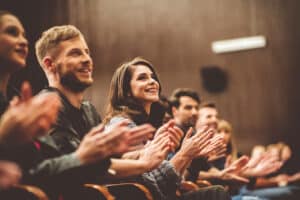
{"x": 184, "y": 126}
{"x": 75, "y": 98}
{"x": 3, "y": 82}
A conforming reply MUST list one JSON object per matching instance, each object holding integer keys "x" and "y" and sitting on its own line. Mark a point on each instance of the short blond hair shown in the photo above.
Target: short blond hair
{"x": 52, "y": 37}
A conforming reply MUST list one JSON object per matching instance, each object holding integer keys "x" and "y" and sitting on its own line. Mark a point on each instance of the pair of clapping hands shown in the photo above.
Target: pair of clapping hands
{"x": 26, "y": 118}
{"x": 240, "y": 170}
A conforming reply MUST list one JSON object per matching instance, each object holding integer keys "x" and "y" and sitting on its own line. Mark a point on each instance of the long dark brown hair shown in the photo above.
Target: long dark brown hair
{"x": 120, "y": 99}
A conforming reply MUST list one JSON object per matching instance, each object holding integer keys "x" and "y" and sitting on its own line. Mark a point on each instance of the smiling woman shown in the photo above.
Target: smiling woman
{"x": 14, "y": 45}
{"x": 134, "y": 91}
{"x": 13, "y": 48}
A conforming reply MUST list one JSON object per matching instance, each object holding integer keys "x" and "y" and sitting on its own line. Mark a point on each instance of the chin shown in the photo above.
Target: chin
{"x": 153, "y": 100}
{"x": 88, "y": 81}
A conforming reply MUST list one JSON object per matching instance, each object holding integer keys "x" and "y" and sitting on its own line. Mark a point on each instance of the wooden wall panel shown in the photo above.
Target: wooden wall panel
{"x": 262, "y": 98}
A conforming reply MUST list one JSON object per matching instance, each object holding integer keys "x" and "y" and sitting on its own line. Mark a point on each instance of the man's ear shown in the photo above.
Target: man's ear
{"x": 174, "y": 110}
{"x": 49, "y": 64}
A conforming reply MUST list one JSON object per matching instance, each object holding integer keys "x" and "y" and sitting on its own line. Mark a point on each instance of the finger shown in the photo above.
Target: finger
{"x": 211, "y": 159}
{"x": 160, "y": 137}
{"x": 240, "y": 178}
{"x": 177, "y": 132}
{"x": 160, "y": 140}
{"x": 142, "y": 128}
{"x": 189, "y": 133}
{"x": 241, "y": 162}
{"x": 170, "y": 123}
{"x": 174, "y": 140}
{"x": 96, "y": 130}
{"x": 202, "y": 130}
{"x": 141, "y": 133}
{"x": 228, "y": 160}
{"x": 26, "y": 92}
{"x": 15, "y": 101}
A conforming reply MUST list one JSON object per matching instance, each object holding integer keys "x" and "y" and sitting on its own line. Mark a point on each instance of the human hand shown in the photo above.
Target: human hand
{"x": 99, "y": 144}
{"x": 10, "y": 174}
{"x": 197, "y": 145}
{"x": 262, "y": 166}
{"x": 217, "y": 148}
{"x": 28, "y": 117}
{"x": 156, "y": 151}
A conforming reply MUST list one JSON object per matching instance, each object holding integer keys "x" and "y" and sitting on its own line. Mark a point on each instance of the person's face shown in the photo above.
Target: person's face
{"x": 207, "y": 117}
{"x": 144, "y": 85}
{"x": 13, "y": 44}
{"x": 226, "y": 135}
{"x": 187, "y": 112}
{"x": 74, "y": 65}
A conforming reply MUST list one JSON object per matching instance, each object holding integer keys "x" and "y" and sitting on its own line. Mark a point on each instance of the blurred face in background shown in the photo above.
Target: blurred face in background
{"x": 207, "y": 117}
{"x": 13, "y": 44}
{"x": 225, "y": 133}
{"x": 187, "y": 112}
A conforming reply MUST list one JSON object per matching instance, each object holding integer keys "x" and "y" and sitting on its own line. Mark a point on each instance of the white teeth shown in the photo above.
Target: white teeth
{"x": 152, "y": 90}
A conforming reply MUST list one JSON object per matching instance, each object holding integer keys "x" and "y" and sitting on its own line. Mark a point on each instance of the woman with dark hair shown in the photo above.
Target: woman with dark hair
{"x": 134, "y": 90}
{"x": 134, "y": 95}
{"x": 20, "y": 122}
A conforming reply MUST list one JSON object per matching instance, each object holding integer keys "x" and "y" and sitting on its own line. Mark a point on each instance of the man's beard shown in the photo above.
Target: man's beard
{"x": 70, "y": 81}
{"x": 190, "y": 122}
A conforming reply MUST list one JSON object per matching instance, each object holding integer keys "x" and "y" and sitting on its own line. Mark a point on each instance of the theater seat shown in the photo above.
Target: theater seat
{"x": 23, "y": 192}
{"x": 128, "y": 191}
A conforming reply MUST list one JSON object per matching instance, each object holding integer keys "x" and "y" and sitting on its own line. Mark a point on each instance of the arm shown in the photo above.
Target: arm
{"x": 126, "y": 168}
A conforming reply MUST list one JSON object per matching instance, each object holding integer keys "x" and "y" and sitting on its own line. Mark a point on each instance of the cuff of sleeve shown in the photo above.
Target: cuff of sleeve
{"x": 171, "y": 172}
{"x": 75, "y": 159}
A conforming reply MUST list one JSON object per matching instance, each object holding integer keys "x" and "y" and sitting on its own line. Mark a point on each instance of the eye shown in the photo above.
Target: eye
{"x": 142, "y": 77}
{"x": 154, "y": 77}
{"x": 188, "y": 107}
{"x": 13, "y": 31}
{"x": 75, "y": 52}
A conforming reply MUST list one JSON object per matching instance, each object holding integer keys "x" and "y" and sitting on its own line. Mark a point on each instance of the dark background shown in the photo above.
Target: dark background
{"x": 261, "y": 99}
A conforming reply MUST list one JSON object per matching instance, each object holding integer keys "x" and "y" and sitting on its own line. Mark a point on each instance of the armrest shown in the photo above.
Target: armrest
{"x": 87, "y": 191}
{"x": 129, "y": 191}
{"x": 91, "y": 189}
{"x": 27, "y": 192}
{"x": 203, "y": 183}
{"x": 187, "y": 186}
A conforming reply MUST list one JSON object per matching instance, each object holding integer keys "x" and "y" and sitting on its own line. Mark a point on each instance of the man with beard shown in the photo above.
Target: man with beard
{"x": 78, "y": 150}
{"x": 184, "y": 103}
{"x": 184, "y": 106}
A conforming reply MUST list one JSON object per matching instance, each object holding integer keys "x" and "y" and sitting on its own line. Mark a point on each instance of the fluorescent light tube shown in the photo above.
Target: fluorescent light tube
{"x": 238, "y": 44}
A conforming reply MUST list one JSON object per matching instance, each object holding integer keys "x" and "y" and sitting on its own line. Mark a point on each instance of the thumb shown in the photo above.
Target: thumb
{"x": 228, "y": 161}
{"x": 188, "y": 133}
{"x": 96, "y": 130}
{"x": 26, "y": 92}
{"x": 15, "y": 101}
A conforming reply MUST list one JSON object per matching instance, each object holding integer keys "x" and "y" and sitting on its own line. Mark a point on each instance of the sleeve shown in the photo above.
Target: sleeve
{"x": 197, "y": 165}
{"x": 56, "y": 163}
{"x": 118, "y": 119}
{"x": 163, "y": 179}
